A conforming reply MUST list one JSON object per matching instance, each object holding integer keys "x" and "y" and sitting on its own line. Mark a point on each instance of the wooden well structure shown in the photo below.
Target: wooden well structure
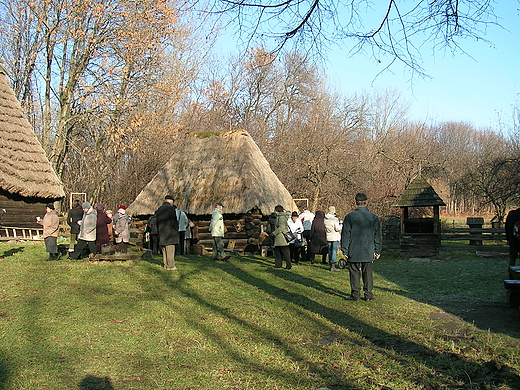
{"x": 420, "y": 226}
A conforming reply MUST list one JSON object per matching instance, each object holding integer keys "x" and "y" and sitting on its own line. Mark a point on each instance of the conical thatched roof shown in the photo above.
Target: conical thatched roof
{"x": 25, "y": 170}
{"x": 419, "y": 193}
{"x": 206, "y": 168}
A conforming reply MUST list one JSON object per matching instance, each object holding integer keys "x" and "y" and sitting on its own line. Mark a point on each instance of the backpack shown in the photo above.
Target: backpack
{"x": 516, "y": 230}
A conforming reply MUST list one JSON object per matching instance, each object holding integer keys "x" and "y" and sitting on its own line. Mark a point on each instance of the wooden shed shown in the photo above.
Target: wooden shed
{"x": 420, "y": 232}
{"x": 27, "y": 179}
{"x": 211, "y": 167}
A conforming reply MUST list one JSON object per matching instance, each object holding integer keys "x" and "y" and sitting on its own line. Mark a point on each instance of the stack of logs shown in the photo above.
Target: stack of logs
{"x": 242, "y": 233}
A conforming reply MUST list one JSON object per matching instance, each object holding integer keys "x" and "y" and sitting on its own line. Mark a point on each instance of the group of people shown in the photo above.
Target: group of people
{"x": 90, "y": 227}
{"x": 306, "y": 235}
{"x": 293, "y": 236}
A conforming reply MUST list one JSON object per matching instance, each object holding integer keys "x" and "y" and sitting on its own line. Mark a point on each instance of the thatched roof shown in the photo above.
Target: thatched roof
{"x": 25, "y": 169}
{"x": 419, "y": 193}
{"x": 206, "y": 168}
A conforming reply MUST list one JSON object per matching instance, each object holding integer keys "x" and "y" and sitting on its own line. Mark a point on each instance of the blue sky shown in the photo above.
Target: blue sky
{"x": 479, "y": 90}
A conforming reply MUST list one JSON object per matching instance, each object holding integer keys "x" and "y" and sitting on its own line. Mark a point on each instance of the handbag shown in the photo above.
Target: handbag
{"x": 289, "y": 236}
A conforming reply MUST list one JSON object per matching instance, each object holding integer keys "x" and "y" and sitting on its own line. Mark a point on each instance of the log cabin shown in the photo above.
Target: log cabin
{"x": 27, "y": 179}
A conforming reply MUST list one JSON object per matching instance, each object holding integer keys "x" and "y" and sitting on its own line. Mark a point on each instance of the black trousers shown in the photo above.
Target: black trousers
{"x": 282, "y": 253}
{"x": 180, "y": 248}
{"x": 79, "y": 248}
{"x": 295, "y": 253}
{"x": 358, "y": 271}
{"x": 513, "y": 253}
{"x": 154, "y": 243}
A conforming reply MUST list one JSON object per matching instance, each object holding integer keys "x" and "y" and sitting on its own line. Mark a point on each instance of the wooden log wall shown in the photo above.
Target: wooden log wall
{"x": 243, "y": 231}
{"x": 20, "y": 213}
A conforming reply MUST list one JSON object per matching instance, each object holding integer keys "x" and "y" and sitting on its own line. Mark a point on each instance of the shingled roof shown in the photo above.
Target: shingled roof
{"x": 212, "y": 167}
{"x": 25, "y": 169}
{"x": 419, "y": 193}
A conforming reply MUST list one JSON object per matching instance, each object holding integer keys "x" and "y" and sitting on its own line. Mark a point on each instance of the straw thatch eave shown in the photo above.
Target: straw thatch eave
{"x": 206, "y": 168}
{"x": 25, "y": 169}
{"x": 419, "y": 193}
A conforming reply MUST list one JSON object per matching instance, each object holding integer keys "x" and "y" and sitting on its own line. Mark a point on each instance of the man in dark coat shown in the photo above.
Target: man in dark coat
{"x": 168, "y": 228}
{"x": 512, "y": 239}
{"x": 75, "y": 214}
{"x": 361, "y": 242}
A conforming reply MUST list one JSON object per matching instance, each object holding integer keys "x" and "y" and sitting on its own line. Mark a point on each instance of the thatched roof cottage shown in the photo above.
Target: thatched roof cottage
{"x": 212, "y": 167}
{"x": 27, "y": 179}
{"x": 208, "y": 167}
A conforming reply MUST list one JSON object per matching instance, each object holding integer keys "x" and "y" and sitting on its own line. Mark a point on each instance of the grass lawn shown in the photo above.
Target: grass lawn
{"x": 245, "y": 325}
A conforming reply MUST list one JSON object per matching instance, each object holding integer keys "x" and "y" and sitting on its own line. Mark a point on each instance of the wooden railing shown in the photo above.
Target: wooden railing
{"x": 16, "y": 233}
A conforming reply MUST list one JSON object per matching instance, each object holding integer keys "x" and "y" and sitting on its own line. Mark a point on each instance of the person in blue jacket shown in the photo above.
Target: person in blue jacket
{"x": 361, "y": 242}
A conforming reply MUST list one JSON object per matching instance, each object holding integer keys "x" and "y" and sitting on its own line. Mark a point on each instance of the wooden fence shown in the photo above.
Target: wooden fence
{"x": 456, "y": 238}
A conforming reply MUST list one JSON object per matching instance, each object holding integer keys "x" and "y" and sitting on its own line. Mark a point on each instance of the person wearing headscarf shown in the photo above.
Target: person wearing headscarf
{"x": 121, "y": 231}
{"x": 110, "y": 226}
{"x": 333, "y": 231}
{"x": 318, "y": 237}
{"x": 51, "y": 227}
{"x": 281, "y": 246}
{"x": 103, "y": 220}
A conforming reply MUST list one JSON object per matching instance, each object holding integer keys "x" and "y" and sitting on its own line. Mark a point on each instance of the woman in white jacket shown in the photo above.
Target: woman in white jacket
{"x": 296, "y": 227}
{"x": 333, "y": 230}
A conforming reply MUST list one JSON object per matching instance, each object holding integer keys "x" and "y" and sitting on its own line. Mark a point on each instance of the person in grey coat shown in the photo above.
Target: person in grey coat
{"x": 361, "y": 242}
{"x": 87, "y": 232}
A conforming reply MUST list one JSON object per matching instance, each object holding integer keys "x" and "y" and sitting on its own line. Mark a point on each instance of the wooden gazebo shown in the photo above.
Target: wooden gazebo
{"x": 420, "y": 233}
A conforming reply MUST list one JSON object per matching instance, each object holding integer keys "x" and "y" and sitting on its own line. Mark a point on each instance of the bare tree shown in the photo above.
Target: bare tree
{"x": 394, "y": 29}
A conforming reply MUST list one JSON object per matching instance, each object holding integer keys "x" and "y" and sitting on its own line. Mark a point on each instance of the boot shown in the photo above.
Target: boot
{"x": 333, "y": 268}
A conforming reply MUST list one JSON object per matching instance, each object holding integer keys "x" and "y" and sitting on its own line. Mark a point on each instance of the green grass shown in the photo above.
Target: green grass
{"x": 244, "y": 325}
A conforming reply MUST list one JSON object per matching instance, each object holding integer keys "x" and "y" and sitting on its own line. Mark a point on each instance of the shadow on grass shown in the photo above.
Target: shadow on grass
{"x": 460, "y": 283}
{"x": 91, "y": 382}
{"x": 261, "y": 332}
{"x": 4, "y": 372}
{"x": 12, "y": 251}
{"x": 445, "y": 367}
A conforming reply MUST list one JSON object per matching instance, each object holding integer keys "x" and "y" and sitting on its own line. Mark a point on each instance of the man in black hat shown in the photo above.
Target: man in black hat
{"x": 168, "y": 228}
{"x": 361, "y": 242}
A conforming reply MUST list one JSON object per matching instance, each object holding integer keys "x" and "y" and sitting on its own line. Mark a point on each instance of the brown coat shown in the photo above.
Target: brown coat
{"x": 51, "y": 224}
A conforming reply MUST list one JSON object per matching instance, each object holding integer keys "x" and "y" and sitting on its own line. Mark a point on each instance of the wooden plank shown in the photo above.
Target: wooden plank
{"x": 118, "y": 257}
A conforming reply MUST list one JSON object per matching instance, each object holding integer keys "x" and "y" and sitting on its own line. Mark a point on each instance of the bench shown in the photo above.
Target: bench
{"x": 514, "y": 272}
{"x": 512, "y": 286}
{"x": 512, "y": 292}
